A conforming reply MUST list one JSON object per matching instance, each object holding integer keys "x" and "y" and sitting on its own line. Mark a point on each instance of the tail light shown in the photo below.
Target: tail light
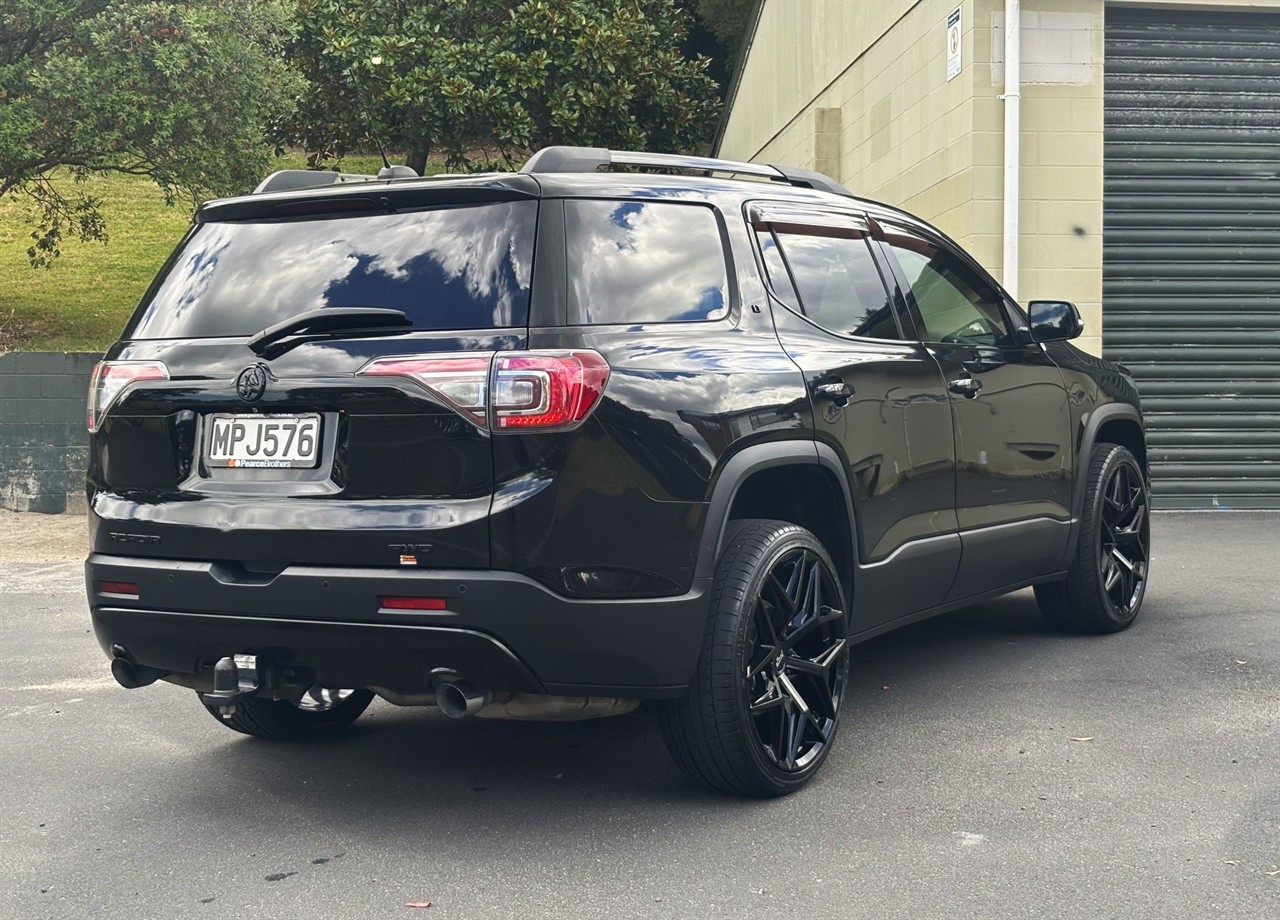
{"x": 508, "y": 391}
{"x": 112, "y": 378}
{"x": 462, "y": 382}
{"x": 546, "y": 389}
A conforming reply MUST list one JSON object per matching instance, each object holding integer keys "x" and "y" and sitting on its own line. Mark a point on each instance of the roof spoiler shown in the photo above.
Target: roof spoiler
{"x": 291, "y": 180}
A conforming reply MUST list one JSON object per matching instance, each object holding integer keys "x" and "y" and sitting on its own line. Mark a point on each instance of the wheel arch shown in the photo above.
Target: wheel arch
{"x": 1114, "y": 423}
{"x": 802, "y": 483}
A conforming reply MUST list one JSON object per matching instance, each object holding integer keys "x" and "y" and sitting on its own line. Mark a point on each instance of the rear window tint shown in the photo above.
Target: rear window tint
{"x": 644, "y": 262}
{"x": 447, "y": 268}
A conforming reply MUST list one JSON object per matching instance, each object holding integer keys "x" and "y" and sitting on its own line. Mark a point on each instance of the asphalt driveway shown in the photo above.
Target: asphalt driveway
{"x": 989, "y": 768}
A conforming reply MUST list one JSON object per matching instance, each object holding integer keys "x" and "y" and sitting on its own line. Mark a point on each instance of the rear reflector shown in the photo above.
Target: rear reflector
{"x": 118, "y": 587}
{"x": 412, "y": 603}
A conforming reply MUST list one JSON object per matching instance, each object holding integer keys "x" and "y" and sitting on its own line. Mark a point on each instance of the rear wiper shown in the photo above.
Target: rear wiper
{"x": 327, "y": 321}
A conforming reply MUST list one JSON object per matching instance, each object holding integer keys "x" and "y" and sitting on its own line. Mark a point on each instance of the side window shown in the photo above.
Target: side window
{"x": 956, "y": 304}
{"x": 644, "y": 262}
{"x": 829, "y": 275}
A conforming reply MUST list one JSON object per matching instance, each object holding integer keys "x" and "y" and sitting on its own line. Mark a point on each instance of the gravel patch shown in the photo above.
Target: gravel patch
{"x": 27, "y": 537}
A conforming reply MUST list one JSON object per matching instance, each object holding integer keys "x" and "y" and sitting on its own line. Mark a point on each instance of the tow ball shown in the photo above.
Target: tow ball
{"x": 234, "y": 678}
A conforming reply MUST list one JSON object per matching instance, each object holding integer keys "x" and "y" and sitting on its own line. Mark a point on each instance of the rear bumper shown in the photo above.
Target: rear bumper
{"x": 500, "y": 630}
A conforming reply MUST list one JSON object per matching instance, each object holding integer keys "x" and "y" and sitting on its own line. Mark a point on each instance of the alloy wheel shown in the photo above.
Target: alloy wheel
{"x": 796, "y": 660}
{"x": 1124, "y": 539}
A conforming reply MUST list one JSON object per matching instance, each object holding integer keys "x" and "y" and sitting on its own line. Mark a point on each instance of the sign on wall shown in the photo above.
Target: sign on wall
{"x": 953, "y": 44}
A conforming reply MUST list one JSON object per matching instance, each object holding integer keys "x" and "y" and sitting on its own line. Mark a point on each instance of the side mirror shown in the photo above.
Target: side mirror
{"x": 1053, "y": 320}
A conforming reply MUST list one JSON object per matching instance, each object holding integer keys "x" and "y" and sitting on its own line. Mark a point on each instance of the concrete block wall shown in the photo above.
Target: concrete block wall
{"x": 1060, "y": 205}
{"x": 936, "y": 147}
{"x": 43, "y": 441}
{"x": 905, "y": 129}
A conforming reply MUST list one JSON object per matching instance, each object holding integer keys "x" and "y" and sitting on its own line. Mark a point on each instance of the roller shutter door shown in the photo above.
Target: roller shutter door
{"x": 1191, "y": 246}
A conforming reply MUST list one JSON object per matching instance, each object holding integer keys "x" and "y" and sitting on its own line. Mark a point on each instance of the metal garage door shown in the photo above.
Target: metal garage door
{"x": 1191, "y": 246}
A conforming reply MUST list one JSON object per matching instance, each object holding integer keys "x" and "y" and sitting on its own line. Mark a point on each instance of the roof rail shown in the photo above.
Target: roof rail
{"x": 288, "y": 180}
{"x": 590, "y": 159}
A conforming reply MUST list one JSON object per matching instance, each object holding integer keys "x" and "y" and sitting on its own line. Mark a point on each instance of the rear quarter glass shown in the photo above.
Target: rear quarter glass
{"x": 465, "y": 267}
{"x": 644, "y": 262}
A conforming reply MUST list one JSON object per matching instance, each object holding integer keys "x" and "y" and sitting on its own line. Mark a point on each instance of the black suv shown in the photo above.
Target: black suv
{"x": 547, "y": 443}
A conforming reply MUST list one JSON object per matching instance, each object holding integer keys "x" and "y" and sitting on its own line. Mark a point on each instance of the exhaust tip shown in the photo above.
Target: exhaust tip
{"x": 132, "y": 676}
{"x": 458, "y": 699}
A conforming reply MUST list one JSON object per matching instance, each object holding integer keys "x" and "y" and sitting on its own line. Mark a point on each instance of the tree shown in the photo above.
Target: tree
{"x": 727, "y": 21}
{"x": 180, "y": 92}
{"x": 441, "y": 77}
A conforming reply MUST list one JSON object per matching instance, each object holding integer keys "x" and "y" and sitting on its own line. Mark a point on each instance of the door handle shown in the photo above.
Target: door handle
{"x": 966, "y": 386}
{"x": 836, "y": 389}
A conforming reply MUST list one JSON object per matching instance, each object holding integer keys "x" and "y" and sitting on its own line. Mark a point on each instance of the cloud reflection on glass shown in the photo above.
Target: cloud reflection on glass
{"x": 644, "y": 262}
{"x": 448, "y": 268}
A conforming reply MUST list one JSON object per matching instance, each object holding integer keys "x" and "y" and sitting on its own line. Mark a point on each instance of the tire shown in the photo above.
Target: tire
{"x": 319, "y": 714}
{"x": 759, "y": 720}
{"x": 1107, "y": 580}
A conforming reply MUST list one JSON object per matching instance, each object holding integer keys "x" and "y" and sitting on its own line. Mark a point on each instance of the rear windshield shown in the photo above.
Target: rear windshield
{"x": 448, "y": 268}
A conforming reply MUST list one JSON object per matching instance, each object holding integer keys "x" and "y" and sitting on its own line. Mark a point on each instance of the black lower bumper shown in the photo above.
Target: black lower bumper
{"x": 499, "y": 630}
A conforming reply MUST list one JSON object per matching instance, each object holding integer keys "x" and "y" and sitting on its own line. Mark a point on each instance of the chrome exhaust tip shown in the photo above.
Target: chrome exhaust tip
{"x": 458, "y": 699}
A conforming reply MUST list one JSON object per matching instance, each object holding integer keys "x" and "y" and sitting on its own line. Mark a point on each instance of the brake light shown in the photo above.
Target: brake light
{"x": 536, "y": 390}
{"x": 111, "y": 378}
{"x": 546, "y": 389}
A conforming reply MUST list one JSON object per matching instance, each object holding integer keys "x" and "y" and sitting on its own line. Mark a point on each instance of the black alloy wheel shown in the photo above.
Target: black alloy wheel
{"x": 1123, "y": 539}
{"x": 1105, "y": 586}
{"x": 760, "y": 716}
{"x": 796, "y": 674}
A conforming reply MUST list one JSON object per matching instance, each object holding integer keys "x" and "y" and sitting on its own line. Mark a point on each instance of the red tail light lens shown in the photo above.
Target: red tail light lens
{"x": 462, "y": 382}
{"x": 534, "y": 390}
{"x": 546, "y": 389}
{"x": 126, "y": 588}
{"x": 111, "y": 378}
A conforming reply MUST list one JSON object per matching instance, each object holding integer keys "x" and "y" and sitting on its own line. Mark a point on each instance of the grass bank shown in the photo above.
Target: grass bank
{"x": 81, "y": 303}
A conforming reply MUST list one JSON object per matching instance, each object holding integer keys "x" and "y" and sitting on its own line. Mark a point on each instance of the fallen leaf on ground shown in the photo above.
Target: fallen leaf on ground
{"x": 420, "y": 905}
{"x": 1083, "y": 738}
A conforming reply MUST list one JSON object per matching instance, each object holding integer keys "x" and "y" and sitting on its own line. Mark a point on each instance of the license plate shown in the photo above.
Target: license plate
{"x": 264, "y": 441}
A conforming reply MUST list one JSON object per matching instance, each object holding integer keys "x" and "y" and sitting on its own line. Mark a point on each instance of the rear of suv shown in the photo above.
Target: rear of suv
{"x": 548, "y": 443}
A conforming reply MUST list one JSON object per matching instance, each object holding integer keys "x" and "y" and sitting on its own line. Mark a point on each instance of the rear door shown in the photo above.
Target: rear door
{"x": 878, "y": 399}
{"x": 318, "y": 449}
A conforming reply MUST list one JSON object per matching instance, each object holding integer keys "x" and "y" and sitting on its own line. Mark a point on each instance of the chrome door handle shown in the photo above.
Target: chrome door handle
{"x": 835, "y": 390}
{"x": 968, "y": 386}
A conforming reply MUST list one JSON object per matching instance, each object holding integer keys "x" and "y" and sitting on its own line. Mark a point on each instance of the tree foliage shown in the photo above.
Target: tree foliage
{"x": 727, "y": 21}
{"x": 442, "y": 77}
{"x": 180, "y": 92}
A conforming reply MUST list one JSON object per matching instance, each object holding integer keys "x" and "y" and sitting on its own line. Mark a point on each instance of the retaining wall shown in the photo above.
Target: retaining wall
{"x": 44, "y": 446}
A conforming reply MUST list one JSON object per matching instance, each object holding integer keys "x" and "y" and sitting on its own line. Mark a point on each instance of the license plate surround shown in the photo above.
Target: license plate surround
{"x": 230, "y": 459}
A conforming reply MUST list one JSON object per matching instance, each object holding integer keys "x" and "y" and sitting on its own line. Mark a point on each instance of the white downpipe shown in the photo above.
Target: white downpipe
{"x": 1012, "y": 134}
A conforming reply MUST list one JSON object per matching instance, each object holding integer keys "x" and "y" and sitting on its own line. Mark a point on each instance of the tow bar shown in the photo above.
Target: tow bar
{"x": 234, "y": 678}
